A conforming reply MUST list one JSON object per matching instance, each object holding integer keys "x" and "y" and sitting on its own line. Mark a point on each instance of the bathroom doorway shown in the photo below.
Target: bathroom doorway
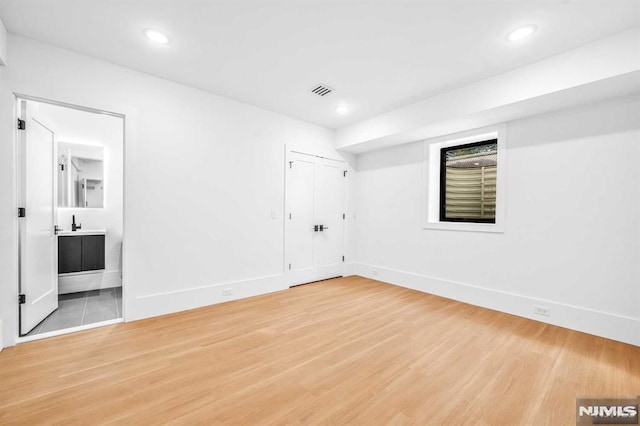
{"x": 70, "y": 226}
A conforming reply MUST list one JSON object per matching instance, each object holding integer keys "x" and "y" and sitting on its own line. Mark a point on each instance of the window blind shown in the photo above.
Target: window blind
{"x": 468, "y": 178}
{"x": 471, "y": 192}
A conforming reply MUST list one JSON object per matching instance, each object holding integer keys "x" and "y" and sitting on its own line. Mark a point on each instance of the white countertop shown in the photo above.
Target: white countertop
{"x": 68, "y": 232}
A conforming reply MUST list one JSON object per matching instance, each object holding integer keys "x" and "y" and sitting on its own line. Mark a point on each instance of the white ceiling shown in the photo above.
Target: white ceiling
{"x": 377, "y": 55}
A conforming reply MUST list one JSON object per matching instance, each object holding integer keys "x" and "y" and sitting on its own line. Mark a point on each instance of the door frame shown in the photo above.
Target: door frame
{"x": 17, "y": 199}
{"x": 288, "y": 153}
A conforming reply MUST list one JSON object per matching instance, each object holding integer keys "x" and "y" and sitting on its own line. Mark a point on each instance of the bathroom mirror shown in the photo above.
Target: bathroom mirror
{"x": 80, "y": 175}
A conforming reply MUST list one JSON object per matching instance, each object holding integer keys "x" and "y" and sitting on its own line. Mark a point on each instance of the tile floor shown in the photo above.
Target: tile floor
{"x": 86, "y": 307}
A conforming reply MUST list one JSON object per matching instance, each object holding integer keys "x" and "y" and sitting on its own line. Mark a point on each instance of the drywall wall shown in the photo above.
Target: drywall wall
{"x": 86, "y": 128}
{"x": 8, "y": 217}
{"x": 3, "y": 44}
{"x": 572, "y": 228}
{"x": 202, "y": 175}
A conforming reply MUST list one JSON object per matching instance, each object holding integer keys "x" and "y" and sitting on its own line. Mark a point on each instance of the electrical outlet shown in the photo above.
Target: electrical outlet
{"x": 541, "y": 310}
{"x": 226, "y": 292}
{"x": 375, "y": 272}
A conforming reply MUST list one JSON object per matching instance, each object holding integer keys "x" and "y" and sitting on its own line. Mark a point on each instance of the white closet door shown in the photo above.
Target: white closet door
{"x": 329, "y": 196}
{"x": 299, "y": 241}
{"x": 314, "y": 197}
{"x": 38, "y": 240}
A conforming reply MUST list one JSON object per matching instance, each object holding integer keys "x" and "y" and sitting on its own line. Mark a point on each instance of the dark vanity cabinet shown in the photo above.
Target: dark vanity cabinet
{"x": 79, "y": 253}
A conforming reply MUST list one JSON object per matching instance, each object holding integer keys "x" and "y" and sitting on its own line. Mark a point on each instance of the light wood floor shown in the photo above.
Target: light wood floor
{"x": 344, "y": 351}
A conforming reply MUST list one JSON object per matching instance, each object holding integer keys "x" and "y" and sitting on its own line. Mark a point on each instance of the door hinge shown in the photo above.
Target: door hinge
{"x": 22, "y": 212}
{"x": 289, "y": 266}
{"x": 22, "y": 299}
{"x": 343, "y": 258}
{"x": 289, "y": 216}
{"x": 21, "y": 124}
{"x": 290, "y": 164}
{"x": 344, "y": 216}
{"x": 344, "y": 173}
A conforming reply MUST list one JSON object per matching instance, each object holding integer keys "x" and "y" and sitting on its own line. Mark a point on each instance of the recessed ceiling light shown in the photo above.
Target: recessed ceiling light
{"x": 521, "y": 33}
{"x": 156, "y": 36}
{"x": 342, "y": 109}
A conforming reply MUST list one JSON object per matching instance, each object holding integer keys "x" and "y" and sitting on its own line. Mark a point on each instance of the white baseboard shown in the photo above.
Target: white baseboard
{"x": 196, "y": 297}
{"x": 152, "y": 305}
{"x": 86, "y": 281}
{"x": 603, "y": 324}
{"x": 349, "y": 269}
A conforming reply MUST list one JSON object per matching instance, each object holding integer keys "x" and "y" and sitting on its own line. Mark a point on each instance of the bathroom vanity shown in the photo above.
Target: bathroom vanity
{"x": 81, "y": 251}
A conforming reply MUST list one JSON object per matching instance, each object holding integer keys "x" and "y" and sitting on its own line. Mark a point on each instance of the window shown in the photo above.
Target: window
{"x": 468, "y": 182}
{"x": 465, "y": 181}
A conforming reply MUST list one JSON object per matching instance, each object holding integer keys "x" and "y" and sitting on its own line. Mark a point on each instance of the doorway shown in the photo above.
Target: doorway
{"x": 70, "y": 204}
{"x": 314, "y": 218}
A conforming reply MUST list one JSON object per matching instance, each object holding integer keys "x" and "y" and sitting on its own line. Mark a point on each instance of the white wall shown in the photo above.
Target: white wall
{"x": 3, "y": 44}
{"x": 572, "y": 224}
{"x": 8, "y": 219}
{"x": 202, "y": 175}
{"x": 81, "y": 127}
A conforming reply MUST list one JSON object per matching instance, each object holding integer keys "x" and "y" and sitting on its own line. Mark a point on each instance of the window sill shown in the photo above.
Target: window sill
{"x": 465, "y": 226}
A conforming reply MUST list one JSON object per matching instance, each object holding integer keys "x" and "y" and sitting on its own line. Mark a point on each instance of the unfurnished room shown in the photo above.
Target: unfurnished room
{"x": 320, "y": 212}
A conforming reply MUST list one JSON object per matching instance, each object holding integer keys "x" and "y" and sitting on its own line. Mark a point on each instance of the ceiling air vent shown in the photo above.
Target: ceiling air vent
{"x": 321, "y": 90}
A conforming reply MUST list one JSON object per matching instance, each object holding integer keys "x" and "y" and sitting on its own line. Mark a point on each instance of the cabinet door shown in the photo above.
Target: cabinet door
{"x": 92, "y": 252}
{"x": 69, "y": 254}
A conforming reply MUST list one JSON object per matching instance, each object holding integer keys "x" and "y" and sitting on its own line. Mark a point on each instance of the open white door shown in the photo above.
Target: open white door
{"x": 314, "y": 218}
{"x": 38, "y": 240}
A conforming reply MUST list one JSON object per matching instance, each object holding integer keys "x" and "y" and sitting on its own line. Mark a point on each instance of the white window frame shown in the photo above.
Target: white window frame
{"x": 431, "y": 167}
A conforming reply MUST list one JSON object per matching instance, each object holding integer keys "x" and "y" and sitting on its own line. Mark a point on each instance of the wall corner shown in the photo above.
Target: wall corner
{"x": 3, "y": 44}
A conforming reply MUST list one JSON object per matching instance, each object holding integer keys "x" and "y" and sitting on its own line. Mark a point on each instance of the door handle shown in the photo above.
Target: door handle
{"x": 56, "y": 230}
{"x": 315, "y": 228}
{"x": 323, "y": 228}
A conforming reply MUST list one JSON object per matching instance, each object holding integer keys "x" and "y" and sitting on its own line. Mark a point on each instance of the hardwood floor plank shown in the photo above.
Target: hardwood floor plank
{"x": 348, "y": 350}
